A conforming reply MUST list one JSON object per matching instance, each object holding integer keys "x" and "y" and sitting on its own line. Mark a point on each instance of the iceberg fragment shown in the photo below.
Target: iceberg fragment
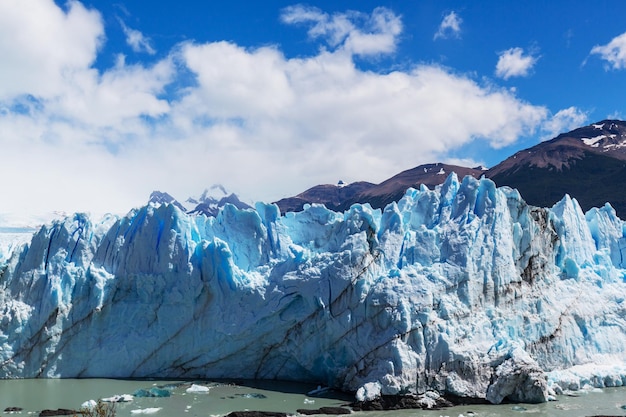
{"x": 197, "y": 389}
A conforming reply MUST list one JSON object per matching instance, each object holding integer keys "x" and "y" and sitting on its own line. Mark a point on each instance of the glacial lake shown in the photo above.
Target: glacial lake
{"x": 34, "y": 395}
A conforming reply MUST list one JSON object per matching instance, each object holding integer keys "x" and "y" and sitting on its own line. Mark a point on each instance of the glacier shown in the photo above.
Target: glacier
{"x": 463, "y": 289}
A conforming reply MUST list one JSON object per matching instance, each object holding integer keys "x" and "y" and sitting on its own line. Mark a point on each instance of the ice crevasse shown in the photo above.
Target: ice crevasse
{"x": 464, "y": 289}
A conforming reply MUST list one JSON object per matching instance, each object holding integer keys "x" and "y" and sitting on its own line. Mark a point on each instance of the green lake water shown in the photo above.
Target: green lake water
{"x": 34, "y": 395}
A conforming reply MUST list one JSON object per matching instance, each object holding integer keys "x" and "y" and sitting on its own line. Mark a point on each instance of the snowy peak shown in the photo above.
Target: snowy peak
{"x": 158, "y": 197}
{"x": 215, "y": 192}
{"x": 211, "y": 206}
{"x": 209, "y": 203}
{"x": 605, "y": 136}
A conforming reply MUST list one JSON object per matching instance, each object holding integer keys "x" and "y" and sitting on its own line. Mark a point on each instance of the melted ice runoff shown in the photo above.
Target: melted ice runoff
{"x": 463, "y": 289}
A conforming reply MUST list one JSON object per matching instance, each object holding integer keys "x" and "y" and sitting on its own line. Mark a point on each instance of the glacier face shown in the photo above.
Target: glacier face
{"x": 463, "y": 289}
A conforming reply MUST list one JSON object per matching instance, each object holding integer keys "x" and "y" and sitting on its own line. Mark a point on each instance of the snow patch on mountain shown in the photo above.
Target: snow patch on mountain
{"x": 593, "y": 142}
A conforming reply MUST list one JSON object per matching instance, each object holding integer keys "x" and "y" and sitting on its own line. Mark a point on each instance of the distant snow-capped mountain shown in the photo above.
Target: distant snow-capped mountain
{"x": 208, "y": 203}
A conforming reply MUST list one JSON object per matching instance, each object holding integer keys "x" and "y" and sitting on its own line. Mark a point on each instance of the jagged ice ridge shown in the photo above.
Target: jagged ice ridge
{"x": 463, "y": 289}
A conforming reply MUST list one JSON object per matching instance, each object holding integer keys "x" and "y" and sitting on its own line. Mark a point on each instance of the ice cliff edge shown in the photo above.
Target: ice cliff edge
{"x": 463, "y": 289}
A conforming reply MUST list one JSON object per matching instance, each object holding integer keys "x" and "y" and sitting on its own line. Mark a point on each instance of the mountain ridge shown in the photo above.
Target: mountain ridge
{"x": 585, "y": 163}
{"x": 588, "y": 163}
{"x": 209, "y": 203}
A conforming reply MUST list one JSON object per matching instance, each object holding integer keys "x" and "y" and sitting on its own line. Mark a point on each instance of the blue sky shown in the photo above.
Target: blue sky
{"x": 102, "y": 102}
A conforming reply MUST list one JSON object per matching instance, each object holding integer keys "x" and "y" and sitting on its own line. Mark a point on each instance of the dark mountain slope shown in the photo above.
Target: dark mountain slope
{"x": 395, "y": 187}
{"x": 588, "y": 163}
{"x": 342, "y": 197}
{"x": 332, "y": 196}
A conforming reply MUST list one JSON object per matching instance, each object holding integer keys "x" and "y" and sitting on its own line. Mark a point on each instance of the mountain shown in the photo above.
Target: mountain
{"x": 341, "y": 197}
{"x": 209, "y": 202}
{"x": 158, "y": 198}
{"x": 332, "y": 196}
{"x": 395, "y": 187}
{"x": 588, "y": 163}
{"x": 463, "y": 289}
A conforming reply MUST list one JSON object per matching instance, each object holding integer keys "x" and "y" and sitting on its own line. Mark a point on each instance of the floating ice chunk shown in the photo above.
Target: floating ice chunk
{"x": 251, "y": 395}
{"x": 90, "y": 404}
{"x": 198, "y": 389}
{"x": 124, "y": 398}
{"x": 152, "y": 392}
{"x": 146, "y": 410}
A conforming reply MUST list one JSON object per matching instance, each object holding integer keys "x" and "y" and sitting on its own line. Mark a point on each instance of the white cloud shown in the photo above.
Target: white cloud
{"x": 136, "y": 40}
{"x": 513, "y": 63}
{"x": 563, "y": 121}
{"x": 115, "y": 96}
{"x": 42, "y": 46}
{"x": 614, "y": 52}
{"x": 264, "y": 124}
{"x": 450, "y": 27}
{"x": 355, "y": 32}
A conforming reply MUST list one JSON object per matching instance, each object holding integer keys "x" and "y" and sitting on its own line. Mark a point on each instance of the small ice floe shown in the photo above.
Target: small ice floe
{"x": 309, "y": 401}
{"x": 197, "y": 389}
{"x": 154, "y": 392}
{"x": 589, "y": 388}
{"x": 89, "y": 405}
{"x": 518, "y": 408}
{"x": 567, "y": 407}
{"x": 251, "y": 395}
{"x": 124, "y": 398}
{"x": 146, "y": 410}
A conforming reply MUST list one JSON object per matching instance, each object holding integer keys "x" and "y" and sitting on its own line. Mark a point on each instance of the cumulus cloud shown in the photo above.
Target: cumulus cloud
{"x": 355, "y": 32}
{"x": 614, "y": 52}
{"x": 33, "y": 60}
{"x": 563, "y": 121}
{"x": 136, "y": 40}
{"x": 264, "y": 124}
{"x": 514, "y": 63}
{"x": 450, "y": 27}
